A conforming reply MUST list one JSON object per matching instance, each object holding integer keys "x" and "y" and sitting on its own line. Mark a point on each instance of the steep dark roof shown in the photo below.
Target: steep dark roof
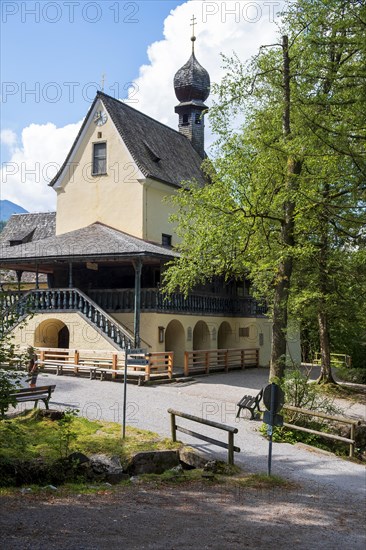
{"x": 160, "y": 152}
{"x": 29, "y": 227}
{"x": 95, "y": 241}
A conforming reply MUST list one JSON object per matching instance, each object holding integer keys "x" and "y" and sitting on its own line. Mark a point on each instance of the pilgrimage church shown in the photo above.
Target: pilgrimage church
{"x": 104, "y": 249}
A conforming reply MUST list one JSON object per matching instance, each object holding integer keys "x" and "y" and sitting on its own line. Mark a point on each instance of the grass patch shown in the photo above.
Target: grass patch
{"x": 35, "y": 448}
{"x": 263, "y": 481}
{"x": 31, "y": 436}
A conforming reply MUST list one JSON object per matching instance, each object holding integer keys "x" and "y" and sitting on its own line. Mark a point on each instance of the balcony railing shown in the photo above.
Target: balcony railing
{"x": 154, "y": 300}
{"x": 15, "y": 306}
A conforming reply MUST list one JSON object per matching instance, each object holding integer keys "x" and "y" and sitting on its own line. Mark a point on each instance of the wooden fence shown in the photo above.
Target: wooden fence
{"x": 106, "y": 364}
{"x": 336, "y": 359}
{"x": 206, "y": 361}
{"x": 340, "y": 419}
{"x": 231, "y": 431}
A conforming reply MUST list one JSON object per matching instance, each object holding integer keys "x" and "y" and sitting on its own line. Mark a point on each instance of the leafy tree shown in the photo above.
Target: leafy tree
{"x": 286, "y": 199}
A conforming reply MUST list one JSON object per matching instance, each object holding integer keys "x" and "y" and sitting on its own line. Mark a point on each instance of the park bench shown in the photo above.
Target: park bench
{"x": 250, "y": 402}
{"x": 40, "y": 393}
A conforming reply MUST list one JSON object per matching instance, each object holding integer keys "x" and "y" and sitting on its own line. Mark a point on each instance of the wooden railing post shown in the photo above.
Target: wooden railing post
{"x": 76, "y": 360}
{"x": 170, "y": 364}
{"x": 186, "y": 363}
{"x": 114, "y": 364}
{"x": 173, "y": 427}
{"x": 207, "y": 362}
{"x": 352, "y": 445}
{"x": 148, "y": 368}
{"x": 230, "y": 458}
{"x": 226, "y": 360}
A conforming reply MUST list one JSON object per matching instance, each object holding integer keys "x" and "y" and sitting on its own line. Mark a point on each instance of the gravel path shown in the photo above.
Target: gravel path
{"x": 214, "y": 398}
{"x": 324, "y": 509}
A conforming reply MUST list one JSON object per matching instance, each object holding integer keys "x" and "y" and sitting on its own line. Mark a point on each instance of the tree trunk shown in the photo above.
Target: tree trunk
{"x": 279, "y": 327}
{"x": 326, "y": 376}
{"x": 283, "y": 279}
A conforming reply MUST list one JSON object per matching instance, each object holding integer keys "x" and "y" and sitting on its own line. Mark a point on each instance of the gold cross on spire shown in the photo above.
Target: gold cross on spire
{"x": 193, "y": 38}
{"x": 102, "y": 82}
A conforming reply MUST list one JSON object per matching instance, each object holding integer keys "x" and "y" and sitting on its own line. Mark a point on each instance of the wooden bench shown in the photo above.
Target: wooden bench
{"x": 40, "y": 393}
{"x": 251, "y": 403}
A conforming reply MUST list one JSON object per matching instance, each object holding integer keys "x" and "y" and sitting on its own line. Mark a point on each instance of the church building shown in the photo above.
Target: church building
{"x": 104, "y": 249}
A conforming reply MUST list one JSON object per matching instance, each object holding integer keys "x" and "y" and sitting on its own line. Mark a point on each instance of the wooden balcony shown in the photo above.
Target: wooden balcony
{"x": 154, "y": 300}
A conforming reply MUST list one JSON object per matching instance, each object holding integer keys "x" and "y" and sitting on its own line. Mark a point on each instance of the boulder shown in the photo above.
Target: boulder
{"x": 152, "y": 462}
{"x": 105, "y": 468}
{"x": 190, "y": 458}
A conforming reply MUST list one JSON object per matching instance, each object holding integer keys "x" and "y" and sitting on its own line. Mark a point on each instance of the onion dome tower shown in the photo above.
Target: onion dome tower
{"x": 192, "y": 88}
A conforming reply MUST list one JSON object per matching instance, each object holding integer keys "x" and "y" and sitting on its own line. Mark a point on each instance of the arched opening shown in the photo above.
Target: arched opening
{"x": 64, "y": 338}
{"x": 225, "y": 336}
{"x": 175, "y": 341}
{"x": 201, "y": 336}
{"x": 52, "y": 333}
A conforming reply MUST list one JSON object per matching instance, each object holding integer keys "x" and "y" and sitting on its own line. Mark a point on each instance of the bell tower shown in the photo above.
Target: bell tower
{"x": 192, "y": 88}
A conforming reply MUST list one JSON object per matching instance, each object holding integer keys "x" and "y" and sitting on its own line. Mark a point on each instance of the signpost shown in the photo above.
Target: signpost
{"x": 129, "y": 360}
{"x": 273, "y": 398}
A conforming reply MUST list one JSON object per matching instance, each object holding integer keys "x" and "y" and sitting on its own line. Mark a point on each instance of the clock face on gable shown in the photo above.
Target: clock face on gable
{"x": 100, "y": 118}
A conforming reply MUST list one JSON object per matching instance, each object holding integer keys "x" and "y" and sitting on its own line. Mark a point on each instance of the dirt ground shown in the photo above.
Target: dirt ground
{"x": 199, "y": 515}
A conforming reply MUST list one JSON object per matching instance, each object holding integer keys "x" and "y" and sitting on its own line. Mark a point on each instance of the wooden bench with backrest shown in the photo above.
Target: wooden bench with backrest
{"x": 39, "y": 393}
{"x": 252, "y": 403}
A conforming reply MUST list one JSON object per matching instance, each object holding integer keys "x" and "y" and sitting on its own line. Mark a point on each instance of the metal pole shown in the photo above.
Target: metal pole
{"x": 270, "y": 427}
{"x": 138, "y": 268}
{"x": 124, "y": 397}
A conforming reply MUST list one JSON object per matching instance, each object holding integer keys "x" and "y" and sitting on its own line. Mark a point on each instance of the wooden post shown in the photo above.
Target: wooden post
{"x": 170, "y": 364}
{"x": 114, "y": 364}
{"x": 186, "y": 364}
{"x": 352, "y": 445}
{"x": 148, "y": 368}
{"x": 242, "y": 359}
{"x": 76, "y": 360}
{"x": 226, "y": 360}
{"x": 207, "y": 362}
{"x": 230, "y": 448}
{"x": 172, "y": 423}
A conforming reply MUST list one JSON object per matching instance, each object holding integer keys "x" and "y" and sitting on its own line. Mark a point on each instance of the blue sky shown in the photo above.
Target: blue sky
{"x": 45, "y": 45}
{"x": 54, "y": 53}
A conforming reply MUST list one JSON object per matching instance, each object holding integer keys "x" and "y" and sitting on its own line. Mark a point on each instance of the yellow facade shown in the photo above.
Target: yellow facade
{"x": 115, "y": 199}
{"x": 122, "y": 198}
{"x": 43, "y": 330}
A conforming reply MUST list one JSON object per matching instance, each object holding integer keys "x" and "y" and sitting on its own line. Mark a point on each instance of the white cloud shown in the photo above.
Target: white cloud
{"x": 9, "y": 138}
{"x": 222, "y": 27}
{"x": 25, "y": 177}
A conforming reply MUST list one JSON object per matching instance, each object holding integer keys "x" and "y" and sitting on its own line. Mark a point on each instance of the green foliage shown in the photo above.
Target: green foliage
{"x": 65, "y": 433}
{"x": 301, "y": 393}
{"x": 33, "y": 436}
{"x": 286, "y": 206}
{"x": 356, "y": 376}
{"x": 9, "y": 382}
